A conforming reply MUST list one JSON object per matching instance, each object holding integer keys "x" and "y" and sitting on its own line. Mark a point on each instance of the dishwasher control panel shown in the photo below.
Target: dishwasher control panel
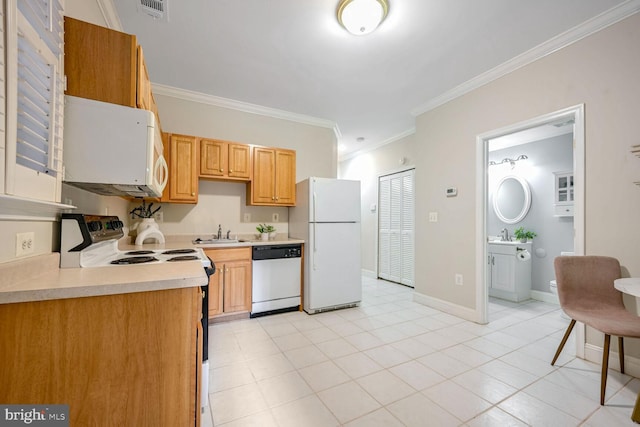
{"x": 262, "y": 252}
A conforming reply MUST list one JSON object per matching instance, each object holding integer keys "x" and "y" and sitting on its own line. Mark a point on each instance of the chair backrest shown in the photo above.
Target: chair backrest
{"x": 587, "y": 281}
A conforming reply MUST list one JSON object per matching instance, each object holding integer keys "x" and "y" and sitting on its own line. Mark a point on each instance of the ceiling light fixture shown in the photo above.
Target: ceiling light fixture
{"x": 361, "y": 17}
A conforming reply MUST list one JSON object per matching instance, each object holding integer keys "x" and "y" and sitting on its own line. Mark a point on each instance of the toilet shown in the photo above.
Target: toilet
{"x": 553, "y": 285}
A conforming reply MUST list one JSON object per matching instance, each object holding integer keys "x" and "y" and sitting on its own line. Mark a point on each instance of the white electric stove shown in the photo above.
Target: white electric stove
{"x": 92, "y": 241}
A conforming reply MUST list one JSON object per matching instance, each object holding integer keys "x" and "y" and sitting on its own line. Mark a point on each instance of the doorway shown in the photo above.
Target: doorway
{"x": 396, "y": 227}
{"x": 573, "y": 114}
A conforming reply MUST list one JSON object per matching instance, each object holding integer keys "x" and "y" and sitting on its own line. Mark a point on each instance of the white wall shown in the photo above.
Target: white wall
{"x": 367, "y": 168}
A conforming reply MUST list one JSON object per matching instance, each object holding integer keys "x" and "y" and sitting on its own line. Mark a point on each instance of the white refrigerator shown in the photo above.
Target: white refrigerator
{"x": 327, "y": 218}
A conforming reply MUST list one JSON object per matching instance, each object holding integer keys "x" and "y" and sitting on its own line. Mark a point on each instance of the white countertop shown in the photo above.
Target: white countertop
{"x": 40, "y": 278}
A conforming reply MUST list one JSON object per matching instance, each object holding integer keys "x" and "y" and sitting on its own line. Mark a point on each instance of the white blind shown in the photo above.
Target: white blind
{"x": 396, "y": 222}
{"x": 39, "y": 109}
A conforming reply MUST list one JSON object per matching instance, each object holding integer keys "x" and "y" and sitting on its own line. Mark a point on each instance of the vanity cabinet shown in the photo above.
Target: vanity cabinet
{"x": 106, "y": 65}
{"x": 230, "y": 285}
{"x": 564, "y": 194}
{"x": 508, "y": 276}
{"x": 225, "y": 160}
{"x": 181, "y": 153}
{"x": 274, "y": 177}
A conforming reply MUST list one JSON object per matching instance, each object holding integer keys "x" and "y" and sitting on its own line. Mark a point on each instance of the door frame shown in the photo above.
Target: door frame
{"x": 576, "y": 113}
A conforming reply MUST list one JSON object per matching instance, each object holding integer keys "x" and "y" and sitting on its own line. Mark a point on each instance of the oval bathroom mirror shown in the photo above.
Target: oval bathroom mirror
{"x": 512, "y": 199}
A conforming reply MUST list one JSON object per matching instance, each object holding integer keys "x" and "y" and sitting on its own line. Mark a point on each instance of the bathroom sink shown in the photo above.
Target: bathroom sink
{"x": 504, "y": 242}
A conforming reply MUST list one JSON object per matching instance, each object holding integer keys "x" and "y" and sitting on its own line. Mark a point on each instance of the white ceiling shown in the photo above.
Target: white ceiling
{"x": 293, "y": 56}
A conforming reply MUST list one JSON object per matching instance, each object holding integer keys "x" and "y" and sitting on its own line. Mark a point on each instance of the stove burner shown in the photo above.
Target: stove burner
{"x": 184, "y": 258}
{"x": 178, "y": 251}
{"x": 134, "y": 260}
{"x": 139, "y": 252}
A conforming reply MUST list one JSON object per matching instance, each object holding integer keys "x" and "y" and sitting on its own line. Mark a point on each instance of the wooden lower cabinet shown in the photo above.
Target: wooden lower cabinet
{"x": 128, "y": 359}
{"x": 230, "y": 286}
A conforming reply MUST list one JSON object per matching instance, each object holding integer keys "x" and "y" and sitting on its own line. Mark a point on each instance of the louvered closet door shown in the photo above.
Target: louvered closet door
{"x": 396, "y": 227}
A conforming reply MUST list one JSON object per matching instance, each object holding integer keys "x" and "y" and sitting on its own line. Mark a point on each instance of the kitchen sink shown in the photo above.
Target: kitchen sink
{"x": 200, "y": 241}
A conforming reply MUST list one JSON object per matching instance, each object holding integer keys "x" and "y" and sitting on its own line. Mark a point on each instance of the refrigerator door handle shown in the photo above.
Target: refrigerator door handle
{"x": 315, "y": 241}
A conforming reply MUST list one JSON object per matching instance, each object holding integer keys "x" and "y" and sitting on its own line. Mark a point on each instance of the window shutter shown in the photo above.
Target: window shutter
{"x": 40, "y": 91}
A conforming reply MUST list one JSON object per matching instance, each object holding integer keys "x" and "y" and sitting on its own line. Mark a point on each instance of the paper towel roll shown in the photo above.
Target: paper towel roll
{"x": 523, "y": 255}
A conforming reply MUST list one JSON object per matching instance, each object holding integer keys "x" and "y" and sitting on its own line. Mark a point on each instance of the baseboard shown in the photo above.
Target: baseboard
{"x": 369, "y": 273}
{"x": 545, "y": 297}
{"x": 593, "y": 353}
{"x": 447, "y": 307}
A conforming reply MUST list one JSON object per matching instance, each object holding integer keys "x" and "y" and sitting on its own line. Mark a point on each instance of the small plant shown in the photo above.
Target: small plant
{"x": 265, "y": 228}
{"x": 523, "y": 235}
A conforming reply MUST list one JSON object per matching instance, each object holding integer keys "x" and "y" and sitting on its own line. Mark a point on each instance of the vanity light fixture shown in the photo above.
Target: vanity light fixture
{"x": 361, "y": 17}
{"x": 512, "y": 162}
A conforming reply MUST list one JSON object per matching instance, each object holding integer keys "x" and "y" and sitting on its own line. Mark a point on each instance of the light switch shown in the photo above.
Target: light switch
{"x": 433, "y": 216}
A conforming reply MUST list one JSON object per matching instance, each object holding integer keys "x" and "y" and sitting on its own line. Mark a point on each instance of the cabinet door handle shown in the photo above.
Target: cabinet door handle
{"x": 493, "y": 260}
{"x": 221, "y": 170}
{"x": 230, "y": 171}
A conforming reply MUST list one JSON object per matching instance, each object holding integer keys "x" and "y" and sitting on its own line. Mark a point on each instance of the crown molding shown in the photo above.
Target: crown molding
{"x": 593, "y": 25}
{"x": 372, "y": 147}
{"x": 246, "y": 107}
{"x": 110, "y": 14}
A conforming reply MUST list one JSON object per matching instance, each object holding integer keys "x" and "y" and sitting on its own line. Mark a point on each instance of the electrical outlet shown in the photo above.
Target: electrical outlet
{"x": 159, "y": 217}
{"x": 459, "y": 279}
{"x": 25, "y": 243}
{"x": 433, "y": 216}
{"x": 275, "y": 217}
{"x": 247, "y": 217}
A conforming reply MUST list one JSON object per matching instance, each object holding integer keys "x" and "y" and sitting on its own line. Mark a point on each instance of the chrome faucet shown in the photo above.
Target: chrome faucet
{"x": 219, "y": 232}
{"x": 228, "y": 232}
{"x": 504, "y": 235}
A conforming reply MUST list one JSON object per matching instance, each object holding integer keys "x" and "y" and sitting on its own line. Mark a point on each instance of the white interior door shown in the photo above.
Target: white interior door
{"x": 396, "y": 227}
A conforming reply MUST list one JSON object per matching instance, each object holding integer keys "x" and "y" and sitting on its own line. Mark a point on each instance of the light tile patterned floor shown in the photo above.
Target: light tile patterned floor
{"x": 393, "y": 362}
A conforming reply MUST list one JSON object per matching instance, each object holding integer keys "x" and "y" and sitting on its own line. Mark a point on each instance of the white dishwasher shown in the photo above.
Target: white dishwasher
{"x": 276, "y": 280}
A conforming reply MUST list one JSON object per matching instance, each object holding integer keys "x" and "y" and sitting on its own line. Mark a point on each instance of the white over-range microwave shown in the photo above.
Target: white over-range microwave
{"x": 112, "y": 150}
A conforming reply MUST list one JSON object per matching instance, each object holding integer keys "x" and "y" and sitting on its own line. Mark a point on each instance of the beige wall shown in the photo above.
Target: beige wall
{"x": 367, "y": 168}
{"x": 600, "y": 71}
{"x": 225, "y": 203}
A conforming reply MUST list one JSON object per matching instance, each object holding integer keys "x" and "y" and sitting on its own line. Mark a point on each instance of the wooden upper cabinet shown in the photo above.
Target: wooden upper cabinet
{"x": 225, "y": 160}
{"x": 106, "y": 65}
{"x": 274, "y": 177}
{"x": 181, "y": 153}
{"x": 100, "y": 63}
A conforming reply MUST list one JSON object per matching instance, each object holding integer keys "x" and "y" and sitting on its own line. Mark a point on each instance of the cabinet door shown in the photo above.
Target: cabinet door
{"x": 182, "y": 159}
{"x": 216, "y": 284}
{"x": 213, "y": 158}
{"x": 239, "y": 161}
{"x": 503, "y": 272}
{"x": 285, "y": 179}
{"x": 237, "y": 286}
{"x": 99, "y": 63}
{"x": 263, "y": 184}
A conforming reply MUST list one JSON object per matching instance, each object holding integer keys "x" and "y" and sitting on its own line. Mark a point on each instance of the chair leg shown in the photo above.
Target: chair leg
{"x": 621, "y": 353}
{"x": 564, "y": 341}
{"x": 605, "y": 367}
